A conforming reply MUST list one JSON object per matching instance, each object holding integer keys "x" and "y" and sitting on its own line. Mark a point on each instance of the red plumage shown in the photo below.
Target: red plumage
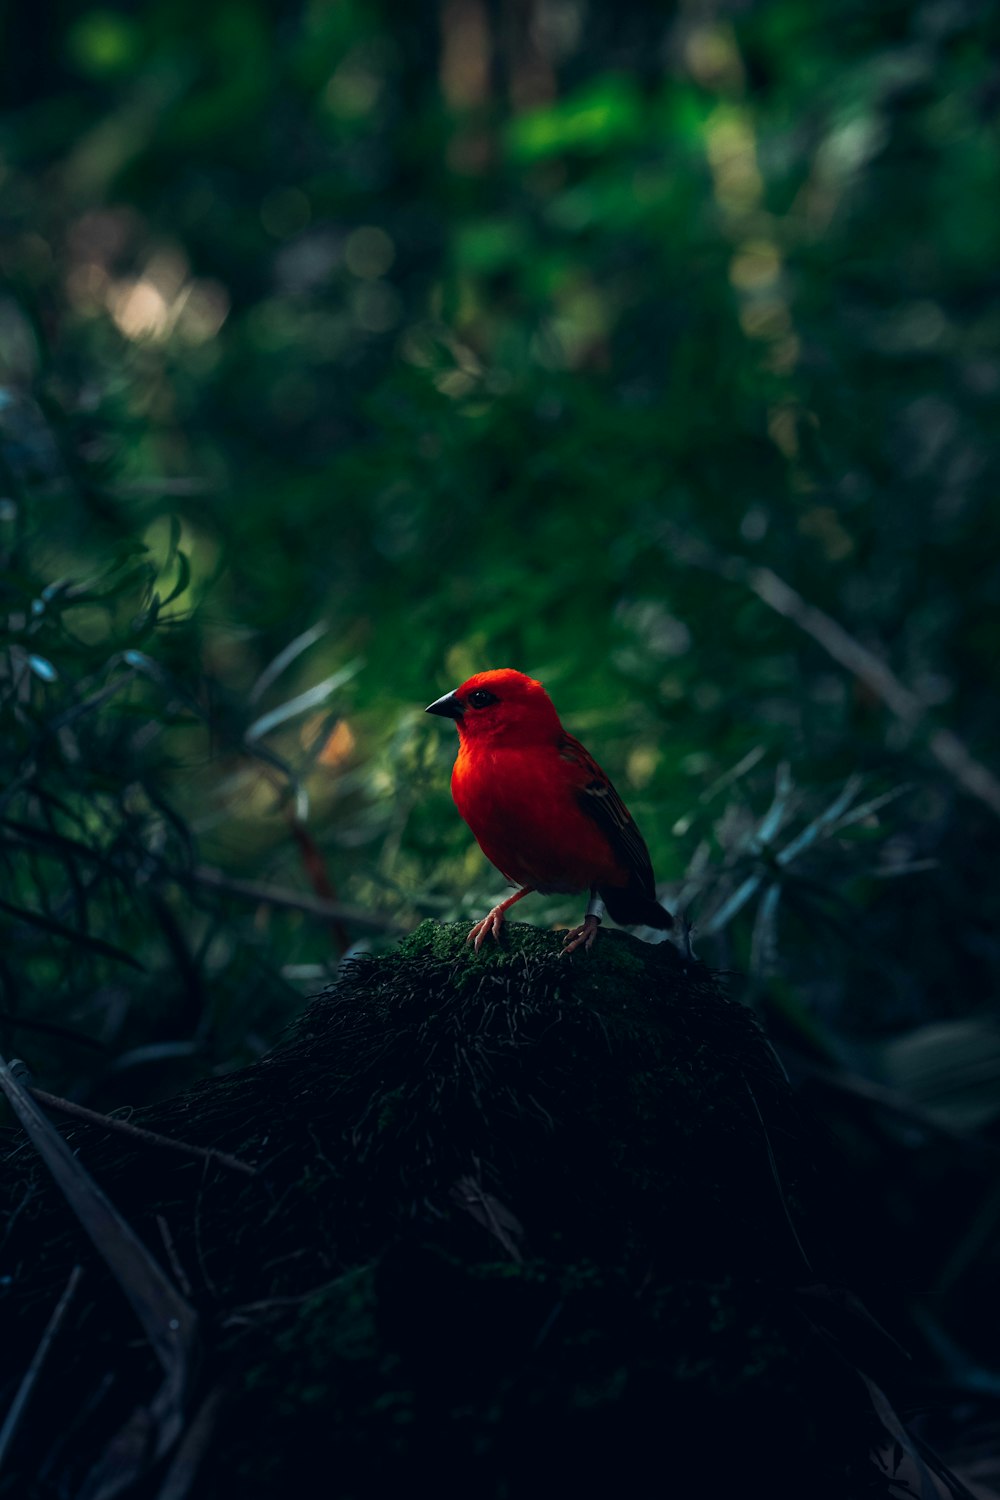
{"x": 541, "y": 808}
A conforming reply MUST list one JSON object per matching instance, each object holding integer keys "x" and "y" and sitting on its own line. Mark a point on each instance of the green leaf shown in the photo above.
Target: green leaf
{"x": 285, "y": 657}
{"x": 311, "y": 698}
{"x": 605, "y": 115}
{"x": 103, "y": 43}
{"x": 183, "y": 577}
{"x": 43, "y": 668}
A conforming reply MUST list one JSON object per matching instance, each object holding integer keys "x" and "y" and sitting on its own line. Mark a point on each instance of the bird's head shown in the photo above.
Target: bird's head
{"x": 498, "y": 706}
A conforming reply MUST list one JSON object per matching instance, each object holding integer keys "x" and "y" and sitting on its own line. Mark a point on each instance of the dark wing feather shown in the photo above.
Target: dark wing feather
{"x": 600, "y": 801}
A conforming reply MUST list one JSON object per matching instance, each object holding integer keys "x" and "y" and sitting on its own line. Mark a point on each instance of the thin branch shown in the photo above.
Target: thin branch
{"x": 137, "y": 1133}
{"x": 776, "y": 1175}
{"x": 51, "y": 1028}
{"x": 24, "y": 1391}
{"x": 273, "y": 895}
{"x": 180, "y": 1275}
{"x": 836, "y": 642}
{"x": 946, "y": 748}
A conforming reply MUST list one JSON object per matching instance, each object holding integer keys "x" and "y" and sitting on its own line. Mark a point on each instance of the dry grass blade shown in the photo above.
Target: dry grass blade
{"x": 721, "y": 783}
{"x": 733, "y": 906}
{"x": 781, "y": 807}
{"x": 301, "y": 702}
{"x": 488, "y": 1211}
{"x": 284, "y": 659}
{"x": 825, "y": 821}
{"x": 768, "y": 828}
{"x": 20, "y": 1402}
{"x": 168, "y": 1321}
{"x": 764, "y": 939}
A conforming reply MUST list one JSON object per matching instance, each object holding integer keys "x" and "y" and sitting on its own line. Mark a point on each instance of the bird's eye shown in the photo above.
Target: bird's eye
{"x": 482, "y": 698}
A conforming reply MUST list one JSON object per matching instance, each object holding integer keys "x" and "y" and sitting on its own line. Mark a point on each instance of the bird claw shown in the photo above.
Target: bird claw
{"x": 582, "y": 936}
{"x": 491, "y": 925}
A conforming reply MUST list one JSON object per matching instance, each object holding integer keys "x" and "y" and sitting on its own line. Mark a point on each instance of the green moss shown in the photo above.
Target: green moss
{"x": 609, "y": 972}
{"x": 450, "y": 941}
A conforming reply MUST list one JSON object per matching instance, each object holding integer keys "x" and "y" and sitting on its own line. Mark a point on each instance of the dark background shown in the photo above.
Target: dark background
{"x": 349, "y": 348}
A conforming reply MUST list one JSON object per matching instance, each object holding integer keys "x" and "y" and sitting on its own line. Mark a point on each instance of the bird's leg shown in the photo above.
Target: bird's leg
{"x": 494, "y": 920}
{"x": 584, "y": 935}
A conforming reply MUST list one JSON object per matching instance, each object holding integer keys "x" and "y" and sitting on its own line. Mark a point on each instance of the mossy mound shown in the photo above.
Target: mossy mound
{"x": 521, "y": 1222}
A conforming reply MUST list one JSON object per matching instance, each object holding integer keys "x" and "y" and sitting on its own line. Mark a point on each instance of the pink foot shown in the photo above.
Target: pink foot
{"x": 582, "y": 936}
{"x": 490, "y": 926}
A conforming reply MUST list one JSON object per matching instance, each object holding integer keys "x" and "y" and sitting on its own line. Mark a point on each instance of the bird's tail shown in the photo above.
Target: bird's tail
{"x": 632, "y": 909}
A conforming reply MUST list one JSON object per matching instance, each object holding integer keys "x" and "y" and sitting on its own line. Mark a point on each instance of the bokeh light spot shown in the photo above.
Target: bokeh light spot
{"x": 369, "y": 252}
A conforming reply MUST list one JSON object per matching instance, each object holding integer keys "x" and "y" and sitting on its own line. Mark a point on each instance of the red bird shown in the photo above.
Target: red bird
{"x": 541, "y": 808}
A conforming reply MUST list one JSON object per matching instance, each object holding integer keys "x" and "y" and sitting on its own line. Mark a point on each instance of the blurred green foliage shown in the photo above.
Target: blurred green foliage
{"x": 347, "y": 348}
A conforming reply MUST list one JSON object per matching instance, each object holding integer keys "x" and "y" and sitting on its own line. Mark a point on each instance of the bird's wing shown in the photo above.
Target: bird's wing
{"x": 599, "y": 800}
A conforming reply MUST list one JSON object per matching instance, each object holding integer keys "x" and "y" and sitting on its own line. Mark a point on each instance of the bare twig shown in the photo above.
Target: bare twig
{"x": 180, "y": 1275}
{"x": 25, "y": 1389}
{"x": 198, "y": 1244}
{"x": 273, "y": 895}
{"x": 776, "y": 1175}
{"x": 946, "y": 748}
{"x": 50, "y": 1028}
{"x": 137, "y": 1133}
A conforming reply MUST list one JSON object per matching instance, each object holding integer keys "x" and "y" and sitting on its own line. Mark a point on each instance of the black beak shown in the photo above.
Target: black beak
{"x": 448, "y": 707}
